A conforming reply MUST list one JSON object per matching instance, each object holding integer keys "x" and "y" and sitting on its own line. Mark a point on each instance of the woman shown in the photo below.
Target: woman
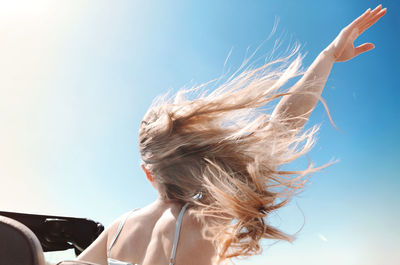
{"x": 216, "y": 162}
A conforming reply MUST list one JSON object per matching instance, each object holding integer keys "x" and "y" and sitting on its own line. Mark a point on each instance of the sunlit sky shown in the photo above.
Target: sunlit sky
{"x": 76, "y": 78}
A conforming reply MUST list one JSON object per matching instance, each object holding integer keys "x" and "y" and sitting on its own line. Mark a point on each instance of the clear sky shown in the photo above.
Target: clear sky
{"x": 76, "y": 78}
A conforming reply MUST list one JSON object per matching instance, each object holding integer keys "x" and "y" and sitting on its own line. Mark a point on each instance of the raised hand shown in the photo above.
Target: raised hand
{"x": 342, "y": 48}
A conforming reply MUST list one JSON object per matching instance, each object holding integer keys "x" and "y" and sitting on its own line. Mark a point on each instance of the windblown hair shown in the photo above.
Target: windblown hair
{"x": 222, "y": 153}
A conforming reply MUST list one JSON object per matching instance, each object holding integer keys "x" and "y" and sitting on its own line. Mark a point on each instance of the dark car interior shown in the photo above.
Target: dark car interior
{"x": 24, "y": 237}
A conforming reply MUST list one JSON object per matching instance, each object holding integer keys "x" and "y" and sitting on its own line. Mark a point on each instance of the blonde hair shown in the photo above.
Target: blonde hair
{"x": 223, "y": 154}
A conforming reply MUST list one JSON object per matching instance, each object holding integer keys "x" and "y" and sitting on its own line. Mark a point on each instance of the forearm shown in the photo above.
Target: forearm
{"x": 304, "y": 95}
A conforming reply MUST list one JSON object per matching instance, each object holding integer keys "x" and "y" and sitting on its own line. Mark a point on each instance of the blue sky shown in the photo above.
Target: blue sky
{"x": 76, "y": 78}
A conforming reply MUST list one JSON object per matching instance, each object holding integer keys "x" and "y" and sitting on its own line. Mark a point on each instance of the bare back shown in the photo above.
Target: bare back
{"x": 148, "y": 234}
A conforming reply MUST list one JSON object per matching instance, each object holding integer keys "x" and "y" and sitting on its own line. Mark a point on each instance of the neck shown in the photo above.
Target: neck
{"x": 161, "y": 204}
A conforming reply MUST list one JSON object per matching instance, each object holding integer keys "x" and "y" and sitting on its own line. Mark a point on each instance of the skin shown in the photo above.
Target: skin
{"x": 147, "y": 236}
{"x": 313, "y": 81}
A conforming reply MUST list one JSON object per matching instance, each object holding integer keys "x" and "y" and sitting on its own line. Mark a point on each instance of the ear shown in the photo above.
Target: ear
{"x": 148, "y": 174}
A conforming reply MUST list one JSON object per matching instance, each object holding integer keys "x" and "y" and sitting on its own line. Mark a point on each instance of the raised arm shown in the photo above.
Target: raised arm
{"x": 298, "y": 106}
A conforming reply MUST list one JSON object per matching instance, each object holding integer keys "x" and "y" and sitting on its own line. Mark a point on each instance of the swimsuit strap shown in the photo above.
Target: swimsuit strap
{"x": 176, "y": 236}
{"x": 121, "y": 225}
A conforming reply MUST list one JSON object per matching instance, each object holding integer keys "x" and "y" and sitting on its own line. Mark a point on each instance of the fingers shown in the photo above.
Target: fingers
{"x": 367, "y": 19}
{"x": 360, "y": 19}
{"x": 370, "y": 16}
{"x": 372, "y": 20}
{"x": 364, "y": 48}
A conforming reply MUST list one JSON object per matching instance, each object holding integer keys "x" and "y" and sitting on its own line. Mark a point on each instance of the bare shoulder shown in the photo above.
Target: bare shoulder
{"x": 136, "y": 224}
{"x": 125, "y": 218}
{"x": 97, "y": 251}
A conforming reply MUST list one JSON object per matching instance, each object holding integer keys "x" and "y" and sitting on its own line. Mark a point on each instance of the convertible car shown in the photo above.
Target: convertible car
{"x": 24, "y": 237}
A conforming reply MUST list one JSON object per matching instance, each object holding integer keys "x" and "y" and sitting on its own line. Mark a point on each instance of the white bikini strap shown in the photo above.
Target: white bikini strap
{"x": 176, "y": 236}
{"x": 121, "y": 225}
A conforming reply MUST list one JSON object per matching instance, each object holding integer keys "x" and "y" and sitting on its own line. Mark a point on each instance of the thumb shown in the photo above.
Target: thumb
{"x": 364, "y": 48}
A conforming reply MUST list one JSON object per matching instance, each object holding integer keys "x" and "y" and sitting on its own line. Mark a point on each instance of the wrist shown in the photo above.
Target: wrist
{"x": 329, "y": 55}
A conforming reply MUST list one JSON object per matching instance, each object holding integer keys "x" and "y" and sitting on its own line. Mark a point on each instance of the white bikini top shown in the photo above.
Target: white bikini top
{"x": 174, "y": 246}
